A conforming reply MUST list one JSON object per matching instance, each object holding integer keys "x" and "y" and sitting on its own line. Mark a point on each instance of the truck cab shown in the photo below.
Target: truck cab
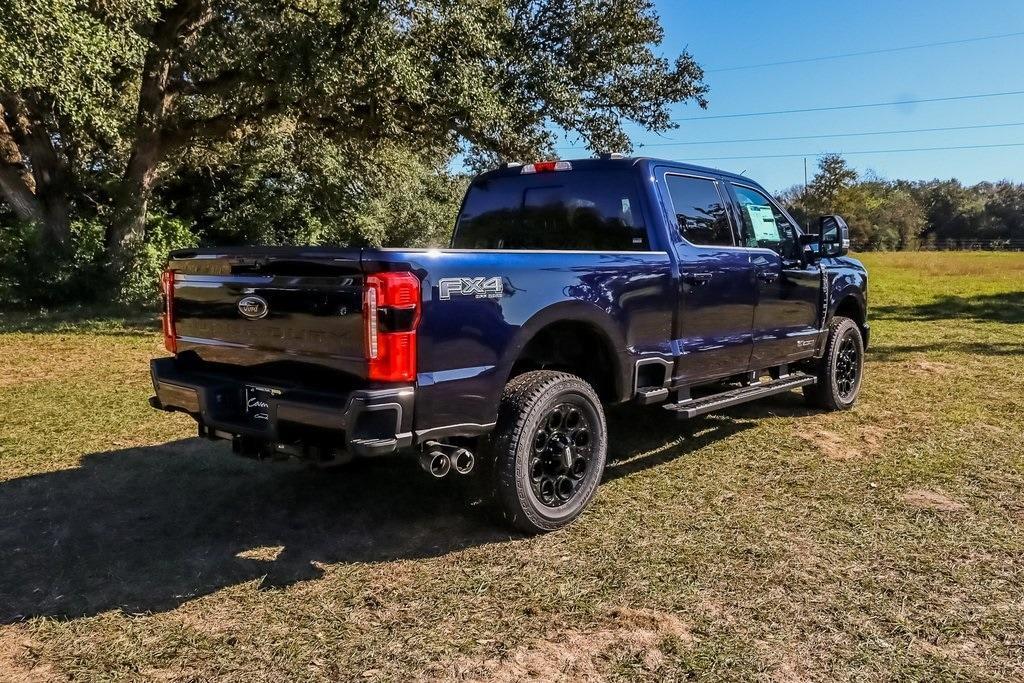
{"x": 567, "y": 286}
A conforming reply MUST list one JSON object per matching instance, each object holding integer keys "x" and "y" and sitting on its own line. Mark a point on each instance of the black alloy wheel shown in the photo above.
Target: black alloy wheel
{"x": 840, "y": 370}
{"x": 548, "y": 450}
{"x": 561, "y": 454}
{"x": 847, "y": 367}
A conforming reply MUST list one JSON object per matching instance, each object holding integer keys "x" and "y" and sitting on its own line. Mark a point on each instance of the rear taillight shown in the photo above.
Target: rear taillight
{"x": 391, "y": 311}
{"x": 167, "y": 318}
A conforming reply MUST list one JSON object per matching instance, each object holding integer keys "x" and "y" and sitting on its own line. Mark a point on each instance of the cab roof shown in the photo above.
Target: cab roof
{"x": 617, "y": 163}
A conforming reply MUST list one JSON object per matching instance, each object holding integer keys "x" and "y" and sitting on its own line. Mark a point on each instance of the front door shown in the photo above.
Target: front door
{"x": 787, "y": 316}
{"x": 716, "y": 303}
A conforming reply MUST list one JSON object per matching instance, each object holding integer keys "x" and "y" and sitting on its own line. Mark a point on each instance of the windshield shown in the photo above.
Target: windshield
{"x": 567, "y": 210}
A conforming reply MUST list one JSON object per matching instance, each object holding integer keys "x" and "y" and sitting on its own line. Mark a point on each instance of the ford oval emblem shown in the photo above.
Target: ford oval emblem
{"x": 253, "y": 307}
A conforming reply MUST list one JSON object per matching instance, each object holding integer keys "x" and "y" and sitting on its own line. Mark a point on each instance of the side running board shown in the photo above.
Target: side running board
{"x": 706, "y": 404}
{"x": 646, "y": 396}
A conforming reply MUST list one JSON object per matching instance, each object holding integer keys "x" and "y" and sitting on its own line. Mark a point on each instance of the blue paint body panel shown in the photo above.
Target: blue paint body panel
{"x": 467, "y": 345}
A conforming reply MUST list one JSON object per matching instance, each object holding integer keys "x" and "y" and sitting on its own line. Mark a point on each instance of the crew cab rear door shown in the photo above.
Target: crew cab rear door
{"x": 717, "y": 293}
{"x": 787, "y": 315}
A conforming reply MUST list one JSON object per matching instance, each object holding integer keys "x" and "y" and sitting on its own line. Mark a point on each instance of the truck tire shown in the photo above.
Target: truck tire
{"x": 549, "y": 449}
{"x": 840, "y": 369}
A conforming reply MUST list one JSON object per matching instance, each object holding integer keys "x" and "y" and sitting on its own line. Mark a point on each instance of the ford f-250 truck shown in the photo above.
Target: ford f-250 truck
{"x": 568, "y": 285}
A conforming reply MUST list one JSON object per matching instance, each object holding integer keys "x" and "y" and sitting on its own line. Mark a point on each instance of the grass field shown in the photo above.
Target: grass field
{"x": 770, "y": 542}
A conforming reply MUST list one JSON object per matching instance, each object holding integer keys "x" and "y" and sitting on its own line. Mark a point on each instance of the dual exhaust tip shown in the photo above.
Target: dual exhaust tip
{"x": 437, "y": 463}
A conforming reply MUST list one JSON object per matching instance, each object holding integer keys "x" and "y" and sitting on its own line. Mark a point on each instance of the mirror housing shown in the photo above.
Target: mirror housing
{"x": 833, "y": 236}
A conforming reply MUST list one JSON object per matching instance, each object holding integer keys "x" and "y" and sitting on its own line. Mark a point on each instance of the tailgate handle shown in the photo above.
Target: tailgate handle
{"x": 249, "y": 261}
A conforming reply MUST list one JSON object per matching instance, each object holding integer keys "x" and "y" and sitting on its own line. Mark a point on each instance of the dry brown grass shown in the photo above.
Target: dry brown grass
{"x": 581, "y": 654}
{"x": 932, "y": 500}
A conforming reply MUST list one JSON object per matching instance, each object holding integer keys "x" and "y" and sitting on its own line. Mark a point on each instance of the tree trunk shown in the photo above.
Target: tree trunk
{"x": 18, "y": 193}
{"x": 132, "y": 196}
{"x": 39, "y": 196}
{"x": 56, "y": 217}
{"x": 128, "y": 227}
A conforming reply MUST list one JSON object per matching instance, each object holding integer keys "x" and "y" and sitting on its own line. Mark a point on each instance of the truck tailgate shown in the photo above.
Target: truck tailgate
{"x": 271, "y": 306}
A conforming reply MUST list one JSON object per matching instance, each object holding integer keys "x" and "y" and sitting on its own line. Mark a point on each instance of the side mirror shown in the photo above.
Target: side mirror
{"x": 833, "y": 236}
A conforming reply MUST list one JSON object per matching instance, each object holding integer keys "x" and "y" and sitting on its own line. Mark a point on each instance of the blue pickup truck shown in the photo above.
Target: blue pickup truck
{"x": 569, "y": 285}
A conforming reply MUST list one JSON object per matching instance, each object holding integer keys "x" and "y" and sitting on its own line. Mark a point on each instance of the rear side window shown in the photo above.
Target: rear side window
{"x": 700, "y": 210}
{"x": 565, "y": 210}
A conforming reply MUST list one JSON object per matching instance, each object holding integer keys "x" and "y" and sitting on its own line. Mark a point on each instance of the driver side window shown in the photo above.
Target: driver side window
{"x": 764, "y": 225}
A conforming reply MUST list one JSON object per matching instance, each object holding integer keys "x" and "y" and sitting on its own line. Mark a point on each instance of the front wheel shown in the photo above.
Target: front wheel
{"x": 840, "y": 370}
{"x": 549, "y": 450}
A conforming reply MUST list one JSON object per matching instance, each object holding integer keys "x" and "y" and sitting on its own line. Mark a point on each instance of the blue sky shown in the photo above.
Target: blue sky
{"x": 744, "y": 32}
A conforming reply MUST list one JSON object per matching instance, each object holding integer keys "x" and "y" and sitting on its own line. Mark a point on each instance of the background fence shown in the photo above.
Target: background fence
{"x": 974, "y": 245}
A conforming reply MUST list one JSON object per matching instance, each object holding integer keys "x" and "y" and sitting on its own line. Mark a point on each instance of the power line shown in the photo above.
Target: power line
{"x": 815, "y": 137}
{"x": 866, "y": 52}
{"x": 818, "y": 137}
{"x": 850, "y": 106}
{"x": 866, "y": 151}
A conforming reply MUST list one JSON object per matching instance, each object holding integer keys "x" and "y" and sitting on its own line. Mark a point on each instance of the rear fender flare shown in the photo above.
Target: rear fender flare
{"x": 580, "y": 312}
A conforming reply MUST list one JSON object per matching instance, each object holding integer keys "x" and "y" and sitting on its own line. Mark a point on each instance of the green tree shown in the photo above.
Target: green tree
{"x": 101, "y": 100}
{"x": 307, "y": 191}
{"x": 952, "y": 211}
{"x": 903, "y": 219}
{"x": 1004, "y": 212}
{"x": 833, "y": 190}
{"x": 833, "y": 177}
{"x": 881, "y": 214}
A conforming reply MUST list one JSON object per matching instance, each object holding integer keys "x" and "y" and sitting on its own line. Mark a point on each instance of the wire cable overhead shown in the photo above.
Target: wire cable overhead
{"x": 851, "y": 106}
{"x": 864, "y": 151}
{"x": 886, "y": 50}
{"x": 828, "y": 135}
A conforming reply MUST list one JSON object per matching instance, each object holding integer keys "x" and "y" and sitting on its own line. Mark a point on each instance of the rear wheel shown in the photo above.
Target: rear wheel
{"x": 549, "y": 450}
{"x": 840, "y": 370}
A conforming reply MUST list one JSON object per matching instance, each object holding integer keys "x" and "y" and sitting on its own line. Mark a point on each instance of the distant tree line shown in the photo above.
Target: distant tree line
{"x": 893, "y": 215}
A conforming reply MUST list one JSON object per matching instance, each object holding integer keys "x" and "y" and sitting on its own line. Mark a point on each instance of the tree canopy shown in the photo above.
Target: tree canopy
{"x": 107, "y": 104}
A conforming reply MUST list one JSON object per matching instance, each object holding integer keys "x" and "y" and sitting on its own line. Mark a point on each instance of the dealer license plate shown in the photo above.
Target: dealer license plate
{"x": 257, "y": 404}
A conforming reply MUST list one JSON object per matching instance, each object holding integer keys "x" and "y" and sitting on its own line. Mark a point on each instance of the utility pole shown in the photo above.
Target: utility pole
{"x": 805, "y": 176}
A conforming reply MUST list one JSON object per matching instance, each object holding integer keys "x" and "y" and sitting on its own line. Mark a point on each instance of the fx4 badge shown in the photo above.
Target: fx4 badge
{"x": 477, "y": 287}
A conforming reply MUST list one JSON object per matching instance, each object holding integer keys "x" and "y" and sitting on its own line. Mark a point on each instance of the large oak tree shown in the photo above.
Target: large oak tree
{"x": 99, "y": 98}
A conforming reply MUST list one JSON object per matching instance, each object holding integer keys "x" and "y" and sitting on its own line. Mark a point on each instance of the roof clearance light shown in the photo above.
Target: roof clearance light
{"x": 546, "y": 167}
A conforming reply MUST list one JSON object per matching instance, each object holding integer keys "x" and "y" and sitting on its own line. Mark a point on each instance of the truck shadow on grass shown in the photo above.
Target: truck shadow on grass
{"x": 641, "y": 438}
{"x": 891, "y": 352}
{"x": 1006, "y": 307}
{"x": 147, "y": 529}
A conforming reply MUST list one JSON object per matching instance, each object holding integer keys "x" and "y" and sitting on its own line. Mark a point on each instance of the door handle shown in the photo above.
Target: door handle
{"x": 767, "y": 276}
{"x": 697, "y": 279}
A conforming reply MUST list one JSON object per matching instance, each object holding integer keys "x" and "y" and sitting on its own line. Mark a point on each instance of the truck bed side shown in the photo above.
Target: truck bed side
{"x": 469, "y": 340}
